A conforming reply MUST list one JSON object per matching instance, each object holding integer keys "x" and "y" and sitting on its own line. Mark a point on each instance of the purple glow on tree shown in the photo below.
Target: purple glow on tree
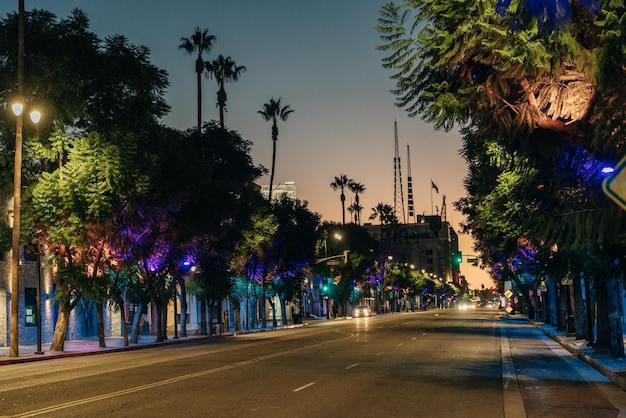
{"x": 551, "y": 15}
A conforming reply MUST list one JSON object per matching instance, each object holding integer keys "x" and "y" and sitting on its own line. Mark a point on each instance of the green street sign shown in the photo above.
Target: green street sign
{"x": 615, "y": 185}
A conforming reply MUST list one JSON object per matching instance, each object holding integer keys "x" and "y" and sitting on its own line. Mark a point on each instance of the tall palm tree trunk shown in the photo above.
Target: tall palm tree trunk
{"x": 221, "y": 102}
{"x": 343, "y": 208}
{"x": 199, "y": 69}
{"x": 274, "y": 139}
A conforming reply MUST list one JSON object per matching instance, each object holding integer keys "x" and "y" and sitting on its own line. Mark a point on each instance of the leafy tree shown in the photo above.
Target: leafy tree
{"x": 293, "y": 248}
{"x": 341, "y": 183}
{"x": 224, "y": 70}
{"x": 457, "y": 62}
{"x": 73, "y": 206}
{"x": 537, "y": 98}
{"x": 82, "y": 83}
{"x": 251, "y": 249}
{"x": 272, "y": 111}
{"x": 199, "y": 43}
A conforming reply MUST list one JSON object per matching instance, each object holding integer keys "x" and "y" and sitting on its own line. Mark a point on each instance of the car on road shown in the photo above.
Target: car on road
{"x": 361, "y": 311}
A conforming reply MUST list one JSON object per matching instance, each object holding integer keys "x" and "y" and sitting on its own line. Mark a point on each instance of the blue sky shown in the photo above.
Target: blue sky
{"x": 319, "y": 56}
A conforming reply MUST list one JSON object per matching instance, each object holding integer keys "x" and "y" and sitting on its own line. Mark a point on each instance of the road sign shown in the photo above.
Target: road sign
{"x": 615, "y": 185}
{"x": 508, "y": 293}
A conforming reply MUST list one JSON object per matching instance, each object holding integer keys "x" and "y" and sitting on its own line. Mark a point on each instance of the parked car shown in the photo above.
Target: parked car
{"x": 361, "y": 311}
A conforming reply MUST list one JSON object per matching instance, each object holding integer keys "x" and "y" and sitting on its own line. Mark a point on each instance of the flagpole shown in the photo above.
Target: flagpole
{"x": 432, "y": 209}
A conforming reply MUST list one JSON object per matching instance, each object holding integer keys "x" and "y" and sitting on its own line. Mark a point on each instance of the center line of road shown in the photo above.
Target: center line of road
{"x": 351, "y": 366}
{"x": 303, "y": 387}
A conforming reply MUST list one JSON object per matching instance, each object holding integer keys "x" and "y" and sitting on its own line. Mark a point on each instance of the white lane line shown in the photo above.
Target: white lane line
{"x": 303, "y": 387}
{"x": 513, "y": 403}
{"x": 380, "y": 354}
{"x": 424, "y": 333}
{"x": 351, "y": 366}
{"x": 400, "y": 345}
{"x": 414, "y": 338}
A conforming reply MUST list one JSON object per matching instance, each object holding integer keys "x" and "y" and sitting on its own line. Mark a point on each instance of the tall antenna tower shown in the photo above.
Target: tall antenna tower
{"x": 398, "y": 195}
{"x": 409, "y": 187}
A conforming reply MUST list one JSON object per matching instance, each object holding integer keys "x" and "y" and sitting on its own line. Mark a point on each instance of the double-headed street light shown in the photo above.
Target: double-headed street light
{"x": 18, "y": 107}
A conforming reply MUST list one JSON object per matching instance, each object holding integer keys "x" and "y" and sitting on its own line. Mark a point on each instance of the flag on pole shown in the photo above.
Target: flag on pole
{"x": 434, "y": 186}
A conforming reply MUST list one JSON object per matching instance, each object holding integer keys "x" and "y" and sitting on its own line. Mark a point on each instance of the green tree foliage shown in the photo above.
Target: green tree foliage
{"x": 77, "y": 182}
{"x": 293, "y": 248}
{"x": 457, "y": 61}
{"x": 540, "y": 112}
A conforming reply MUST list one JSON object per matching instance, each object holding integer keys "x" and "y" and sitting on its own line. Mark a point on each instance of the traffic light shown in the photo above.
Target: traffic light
{"x": 459, "y": 257}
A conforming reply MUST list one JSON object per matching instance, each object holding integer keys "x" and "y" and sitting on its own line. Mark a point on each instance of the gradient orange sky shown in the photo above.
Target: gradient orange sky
{"x": 320, "y": 58}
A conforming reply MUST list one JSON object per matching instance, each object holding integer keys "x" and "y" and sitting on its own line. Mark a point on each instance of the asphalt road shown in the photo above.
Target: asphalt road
{"x": 443, "y": 363}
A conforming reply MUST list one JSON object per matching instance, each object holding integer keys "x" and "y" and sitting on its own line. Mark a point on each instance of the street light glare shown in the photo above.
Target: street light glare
{"x": 35, "y": 116}
{"x": 17, "y": 108}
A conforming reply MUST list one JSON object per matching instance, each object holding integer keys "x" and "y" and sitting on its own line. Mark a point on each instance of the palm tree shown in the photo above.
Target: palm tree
{"x": 200, "y": 42}
{"x": 355, "y": 210}
{"x": 385, "y": 214}
{"x": 357, "y": 188}
{"x": 340, "y": 183}
{"x": 224, "y": 70}
{"x": 273, "y": 112}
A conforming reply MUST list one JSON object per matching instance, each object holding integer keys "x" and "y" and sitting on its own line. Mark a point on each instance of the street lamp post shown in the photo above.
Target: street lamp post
{"x": 175, "y": 313}
{"x": 17, "y": 186}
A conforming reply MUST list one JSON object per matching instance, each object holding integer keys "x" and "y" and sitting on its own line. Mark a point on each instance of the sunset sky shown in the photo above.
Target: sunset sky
{"x": 319, "y": 57}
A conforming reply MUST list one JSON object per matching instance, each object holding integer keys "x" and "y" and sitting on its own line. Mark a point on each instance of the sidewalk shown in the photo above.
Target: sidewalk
{"x": 611, "y": 367}
{"x": 90, "y": 346}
